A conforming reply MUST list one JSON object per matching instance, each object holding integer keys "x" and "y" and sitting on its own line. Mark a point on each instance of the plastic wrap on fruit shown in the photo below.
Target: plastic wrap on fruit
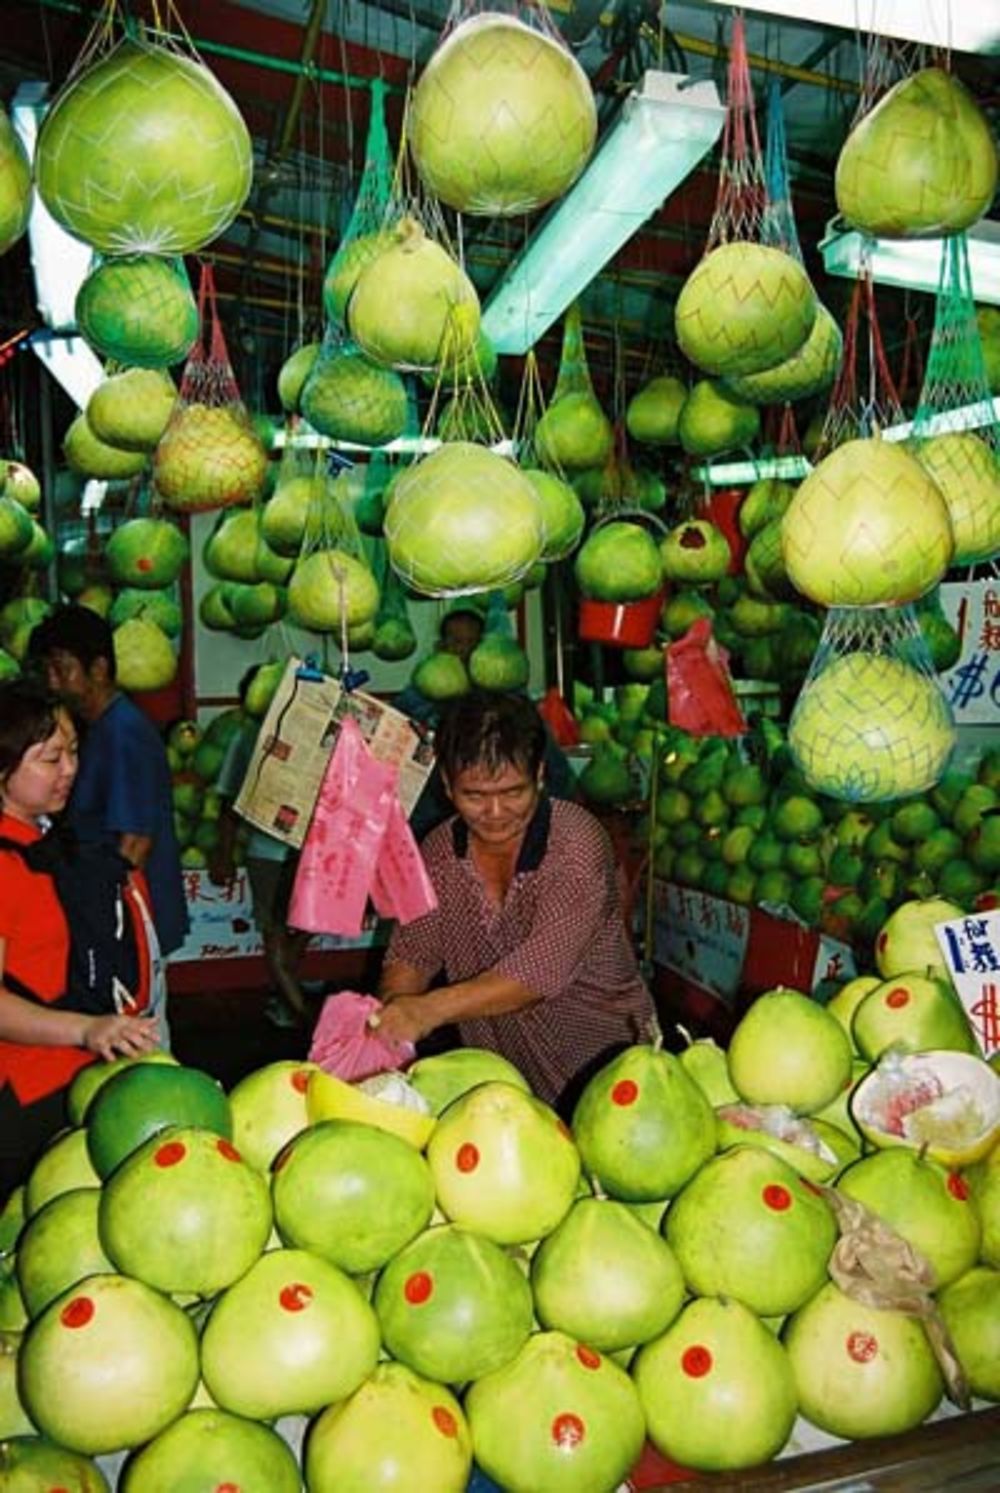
{"x": 897, "y": 1093}
{"x": 393, "y": 1088}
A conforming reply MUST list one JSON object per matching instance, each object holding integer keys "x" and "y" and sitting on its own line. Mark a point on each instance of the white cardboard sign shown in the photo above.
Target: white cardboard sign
{"x": 971, "y": 948}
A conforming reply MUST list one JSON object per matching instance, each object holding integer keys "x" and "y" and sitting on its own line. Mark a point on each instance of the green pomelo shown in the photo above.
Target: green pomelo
{"x": 397, "y": 1431}
{"x": 351, "y": 1193}
{"x": 329, "y": 587}
{"x": 293, "y": 373}
{"x": 462, "y": 520}
{"x": 745, "y": 307}
{"x": 446, "y": 1076}
{"x": 144, "y": 655}
{"x": 89, "y": 457}
{"x": 765, "y": 568}
{"x": 971, "y": 1311}
{"x": 15, "y": 185}
{"x": 713, "y": 419}
{"x": 139, "y": 311}
{"x": 766, "y": 500}
{"x": 289, "y": 1338}
{"x": 789, "y": 1050}
{"x": 144, "y": 152}
{"x": 14, "y": 1419}
{"x": 870, "y": 727}
{"x": 932, "y": 1209}
{"x": 125, "y": 1360}
{"x": 807, "y": 372}
{"x": 350, "y": 258}
{"x": 132, "y": 409}
{"x": 984, "y": 1179}
{"x": 652, "y": 414}
{"x": 503, "y": 1164}
{"x": 350, "y": 398}
{"x": 452, "y": 1305}
{"x": 16, "y": 528}
{"x": 441, "y": 676}
{"x": 144, "y": 1099}
{"x": 209, "y": 457}
{"x": 185, "y": 1213}
{"x": 695, "y": 553}
{"x": 562, "y": 513}
{"x": 153, "y": 606}
{"x": 922, "y": 163}
{"x": 681, "y": 609}
{"x": 232, "y": 549}
{"x": 12, "y": 1218}
{"x": 967, "y": 472}
{"x": 860, "y": 1371}
{"x": 59, "y": 1246}
{"x": 867, "y": 527}
{"x": 214, "y": 611}
{"x": 619, "y": 561}
{"x": 22, "y": 484}
{"x": 213, "y": 1449}
{"x": 574, "y": 434}
{"x": 706, "y": 1063}
{"x": 845, "y": 1002}
{"x": 717, "y": 1366}
{"x": 911, "y": 1012}
{"x": 394, "y": 639}
{"x": 413, "y": 304}
{"x": 29, "y": 1463}
{"x": 605, "y": 1278}
{"x": 498, "y": 663}
{"x": 580, "y": 1426}
{"x": 300, "y": 506}
{"x": 147, "y": 553}
{"x": 747, "y": 1226}
{"x": 940, "y": 1102}
{"x": 492, "y": 85}
{"x": 643, "y": 1125}
{"x": 268, "y": 1107}
{"x": 64, "y": 1165}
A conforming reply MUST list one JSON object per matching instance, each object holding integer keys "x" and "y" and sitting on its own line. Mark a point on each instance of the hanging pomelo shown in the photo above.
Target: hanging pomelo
{"x": 144, "y": 152}
{"x": 145, "y": 552}
{"x": 619, "y": 561}
{"x": 463, "y": 520}
{"x": 329, "y": 587}
{"x": 293, "y": 373}
{"x": 156, "y": 606}
{"x": 209, "y": 457}
{"x": 413, "y": 304}
{"x": 870, "y": 727}
{"x": 653, "y": 412}
{"x": 441, "y": 676}
{"x": 138, "y": 310}
{"x": 90, "y": 457}
{"x": 299, "y": 507}
{"x": 131, "y": 409}
{"x": 713, "y": 419}
{"x": 345, "y": 267}
{"x": 144, "y": 656}
{"x": 967, "y": 472}
{"x": 256, "y": 605}
{"x": 21, "y": 483}
{"x": 574, "y": 433}
{"x": 499, "y": 663}
{"x": 349, "y": 398}
{"x": 15, "y": 528}
{"x": 502, "y": 119}
{"x": 233, "y": 550}
{"x": 921, "y": 164}
{"x": 562, "y": 513}
{"x": 809, "y": 371}
{"x": 744, "y": 308}
{"x": 15, "y": 185}
{"x": 867, "y": 527}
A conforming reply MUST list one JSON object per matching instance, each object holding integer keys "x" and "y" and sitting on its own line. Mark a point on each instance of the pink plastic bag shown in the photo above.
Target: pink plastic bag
{"x": 343, "y": 1045}
{"x": 401, "y": 888}
{"x": 700, "y": 696}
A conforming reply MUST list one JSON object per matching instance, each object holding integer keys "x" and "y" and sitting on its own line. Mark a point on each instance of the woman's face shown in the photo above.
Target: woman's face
{"x": 496, "y": 806}
{"x": 42, "y": 780}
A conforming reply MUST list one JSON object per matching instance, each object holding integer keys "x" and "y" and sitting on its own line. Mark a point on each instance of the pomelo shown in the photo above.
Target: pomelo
{"x": 64, "y": 1164}
{"x": 907, "y": 940}
{"x": 145, "y": 1098}
{"x": 929, "y": 1207}
{"x": 293, "y": 373}
{"x": 402, "y": 1111}
{"x": 446, "y": 1076}
{"x": 652, "y": 413}
{"x": 413, "y": 304}
{"x": 618, "y": 561}
{"x": 813, "y": 1147}
{"x": 911, "y": 1012}
{"x": 217, "y": 1450}
{"x": 131, "y": 409}
{"x": 268, "y": 1107}
{"x": 146, "y": 553}
{"x": 970, "y": 1307}
{"x": 945, "y": 1104}
{"x": 787, "y": 1049}
{"x": 209, "y": 457}
{"x": 138, "y": 310}
{"x": 14, "y": 1420}
{"x": 59, "y": 1246}
{"x": 329, "y": 587}
{"x": 984, "y": 1179}
{"x": 29, "y": 1463}
{"x": 744, "y": 307}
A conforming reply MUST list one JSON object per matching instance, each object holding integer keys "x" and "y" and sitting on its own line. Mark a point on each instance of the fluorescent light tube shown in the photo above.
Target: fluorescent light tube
{"x": 60, "y": 262}
{"x": 791, "y": 468}
{"x": 914, "y": 263}
{"x": 964, "y": 417}
{"x": 970, "y": 27}
{"x": 664, "y": 128}
{"x": 404, "y": 445}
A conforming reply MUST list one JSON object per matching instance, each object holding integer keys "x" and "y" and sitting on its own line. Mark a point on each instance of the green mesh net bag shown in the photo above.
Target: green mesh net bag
{"x": 138, "y": 311}
{"x": 304, "y": 499}
{"x": 366, "y": 233}
{"x": 394, "y": 637}
{"x": 332, "y": 587}
{"x": 871, "y": 722}
{"x": 956, "y": 434}
{"x": 349, "y": 398}
{"x": 573, "y": 434}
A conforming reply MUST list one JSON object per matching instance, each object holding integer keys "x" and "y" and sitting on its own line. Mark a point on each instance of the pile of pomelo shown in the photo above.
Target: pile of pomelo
{"x": 371, "y": 1287}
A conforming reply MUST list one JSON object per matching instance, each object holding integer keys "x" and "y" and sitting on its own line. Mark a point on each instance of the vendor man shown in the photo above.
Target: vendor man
{"x": 528, "y": 951}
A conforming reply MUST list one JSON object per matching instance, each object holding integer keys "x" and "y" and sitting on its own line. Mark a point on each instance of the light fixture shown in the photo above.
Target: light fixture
{"x": 307, "y": 439}
{"x": 60, "y": 262}
{"x": 913, "y": 263}
{"x": 664, "y": 128}
{"x": 978, "y": 416}
{"x": 74, "y": 365}
{"x": 791, "y": 468}
{"x": 972, "y": 27}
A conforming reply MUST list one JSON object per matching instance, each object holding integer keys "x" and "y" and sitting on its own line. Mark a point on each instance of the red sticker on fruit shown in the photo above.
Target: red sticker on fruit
{"x": 588, "y": 1357}
{"x": 228, "y": 1150}
{"x": 625, "y": 1092}
{"x": 296, "y": 1297}
{"x": 228, "y": 1488}
{"x": 418, "y": 1288}
{"x": 777, "y": 1197}
{"x": 444, "y": 1420}
{"x": 300, "y": 1080}
{"x": 467, "y": 1157}
{"x": 862, "y": 1347}
{"x": 170, "y": 1154}
{"x": 958, "y": 1187}
{"x": 78, "y": 1312}
{"x": 568, "y": 1430}
{"x": 696, "y": 1361}
{"x": 898, "y": 998}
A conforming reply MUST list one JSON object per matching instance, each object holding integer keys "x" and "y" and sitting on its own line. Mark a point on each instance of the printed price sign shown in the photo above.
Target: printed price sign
{"x": 973, "y": 685}
{"x": 971, "y": 948}
{"x": 703, "y": 938}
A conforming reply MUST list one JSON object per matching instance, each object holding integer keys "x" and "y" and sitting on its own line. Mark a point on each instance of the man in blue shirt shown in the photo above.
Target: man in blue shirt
{"x": 122, "y": 789}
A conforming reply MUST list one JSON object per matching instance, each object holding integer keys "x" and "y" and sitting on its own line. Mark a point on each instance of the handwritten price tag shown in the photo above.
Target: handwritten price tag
{"x": 971, "y": 948}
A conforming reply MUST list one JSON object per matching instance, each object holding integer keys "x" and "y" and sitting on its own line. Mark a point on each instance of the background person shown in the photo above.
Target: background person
{"x": 122, "y": 791}
{"x": 528, "y": 951}
{"x": 40, "y": 1050}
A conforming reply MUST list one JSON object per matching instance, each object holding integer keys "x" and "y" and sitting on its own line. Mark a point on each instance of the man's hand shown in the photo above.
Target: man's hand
{"x": 406, "y": 1019}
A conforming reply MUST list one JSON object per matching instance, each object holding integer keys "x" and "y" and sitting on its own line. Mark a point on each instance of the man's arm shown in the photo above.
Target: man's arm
{"x": 413, "y": 1010}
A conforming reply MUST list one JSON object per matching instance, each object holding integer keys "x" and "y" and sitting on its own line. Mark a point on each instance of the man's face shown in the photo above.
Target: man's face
{"x": 78, "y": 684}
{"x": 497, "y": 807}
{"x": 460, "y": 635}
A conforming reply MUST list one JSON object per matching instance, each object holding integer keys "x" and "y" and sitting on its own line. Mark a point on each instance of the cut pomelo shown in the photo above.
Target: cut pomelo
{"x": 386, "y": 1101}
{"x": 945, "y": 1103}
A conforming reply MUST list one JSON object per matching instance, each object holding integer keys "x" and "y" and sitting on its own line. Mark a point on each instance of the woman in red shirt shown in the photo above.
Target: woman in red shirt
{"x": 40, "y": 1050}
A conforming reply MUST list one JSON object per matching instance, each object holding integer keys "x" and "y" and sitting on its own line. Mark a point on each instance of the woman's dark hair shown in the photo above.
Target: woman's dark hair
{"x": 488, "y": 730}
{"x": 29, "y": 713}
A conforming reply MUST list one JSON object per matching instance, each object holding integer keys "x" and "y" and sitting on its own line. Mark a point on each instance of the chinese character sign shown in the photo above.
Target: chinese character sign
{"x": 971, "y": 947}
{"x": 972, "y": 687}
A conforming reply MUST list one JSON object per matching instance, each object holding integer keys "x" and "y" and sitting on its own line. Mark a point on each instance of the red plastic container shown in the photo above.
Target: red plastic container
{"x": 620, "y": 624}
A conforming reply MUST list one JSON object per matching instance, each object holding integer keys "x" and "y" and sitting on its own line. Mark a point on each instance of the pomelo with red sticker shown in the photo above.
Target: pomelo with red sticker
{"x": 907, "y": 941}
{"x": 453, "y": 1305}
{"x": 579, "y": 1425}
{"x": 605, "y": 1277}
{"x": 747, "y": 1226}
{"x": 185, "y": 1213}
{"x": 503, "y": 1165}
{"x": 269, "y": 1108}
{"x": 643, "y": 1125}
{"x": 716, "y": 1388}
{"x": 860, "y": 1371}
{"x": 146, "y": 1098}
{"x": 397, "y": 1431}
{"x": 213, "y": 1449}
{"x": 911, "y": 1012}
{"x": 29, "y": 1462}
{"x": 108, "y": 1365}
{"x": 290, "y": 1337}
